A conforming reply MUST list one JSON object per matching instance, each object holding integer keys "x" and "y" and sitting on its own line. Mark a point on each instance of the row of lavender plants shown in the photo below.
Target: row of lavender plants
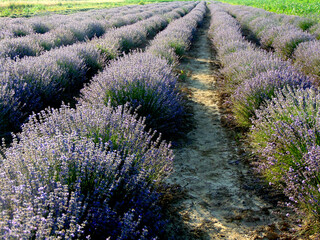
{"x": 92, "y": 172}
{"x": 279, "y": 106}
{"x": 17, "y": 27}
{"x": 74, "y": 31}
{"x": 284, "y": 37}
{"x": 32, "y": 83}
{"x": 138, "y": 84}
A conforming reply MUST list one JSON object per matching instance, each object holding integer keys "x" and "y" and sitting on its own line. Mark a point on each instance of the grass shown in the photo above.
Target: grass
{"x": 27, "y": 8}
{"x": 305, "y": 8}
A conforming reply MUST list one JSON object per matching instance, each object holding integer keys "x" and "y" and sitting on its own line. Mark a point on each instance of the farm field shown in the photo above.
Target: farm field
{"x": 168, "y": 120}
{"x": 27, "y": 8}
{"x": 306, "y": 8}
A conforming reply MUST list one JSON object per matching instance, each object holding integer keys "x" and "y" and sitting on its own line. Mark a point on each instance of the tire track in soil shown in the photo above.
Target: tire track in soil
{"x": 216, "y": 204}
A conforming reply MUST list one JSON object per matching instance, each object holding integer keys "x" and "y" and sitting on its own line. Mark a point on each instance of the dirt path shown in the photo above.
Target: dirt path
{"x": 217, "y": 204}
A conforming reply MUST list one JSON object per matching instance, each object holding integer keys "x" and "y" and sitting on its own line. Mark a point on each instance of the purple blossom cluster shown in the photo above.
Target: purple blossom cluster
{"x": 307, "y": 58}
{"x": 32, "y": 83}
{"x": 285, "y": 134}
{"x": 148, "y": 83}
{"x": 254, "y": 92}
{"x": 74, "y": 31}
{"x": 315, "y": 30}
{"x": 88, "y": 172}
{"x": 176, "y": 38}
{"x": 285, "y": 40}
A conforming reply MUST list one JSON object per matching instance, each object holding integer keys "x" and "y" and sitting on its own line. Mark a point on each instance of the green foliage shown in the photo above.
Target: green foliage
{"x": 307, "y": 8}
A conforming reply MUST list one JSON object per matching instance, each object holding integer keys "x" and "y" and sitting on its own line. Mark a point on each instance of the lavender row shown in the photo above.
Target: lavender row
{"x": 18, "y": 27}
{"x": 84, "y": 173}
{"x": 251, "y": 74}
{"x": 32, "y": 83}
{"x": 176, "y": 38}
{"x": 280, "y": 105}
{"x": 144, "y": 83}
{"x": 124, "y": 38}
{"x": 282, "y": 36}
{"x": 246, "y": 14}
{"x": 72, "y": 32}
{"x": 285, "y": 135}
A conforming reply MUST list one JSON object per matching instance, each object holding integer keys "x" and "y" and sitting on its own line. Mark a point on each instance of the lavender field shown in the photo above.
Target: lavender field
{"x": 172, "y": 120}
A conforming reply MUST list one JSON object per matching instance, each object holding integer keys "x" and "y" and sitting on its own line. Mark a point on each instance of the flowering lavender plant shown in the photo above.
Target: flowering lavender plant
{"x": 253, "y": 93}
{"x": 36, "y": 82}
{"x": 89, "y": 171}
{"x": 147, "y": 83}
{"x": 286, "y": 42}
{"x": 247, "y": 63}
{"x": 19, "y": 47}
{"x": 316, "y": 30}
{"x": 285, "y": 134}
{"x": 307, "y": 58}
{"x": 116, "y": 128}
{"x": 69, "y": 188}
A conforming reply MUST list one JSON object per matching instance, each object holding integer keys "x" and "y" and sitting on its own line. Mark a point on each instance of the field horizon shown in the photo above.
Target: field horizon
{"x": 28, "y": 8}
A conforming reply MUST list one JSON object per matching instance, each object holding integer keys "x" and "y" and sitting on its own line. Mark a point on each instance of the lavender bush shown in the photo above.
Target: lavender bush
{"x": 41, "y": 27}
{"x": 316, "y": 31}
{"x": 70, "y": 188}
{"x": 18, "y": 48}
{"x": 307, "y": 58}
{"x": 83, "y": 172}
{"x": 116, "y": 128}
{"x": 253, "y": 93}
{"x": 286, "y": 42}
{"x": 147, "y": 83}
{"x": 34, "y": 83}
{"x": 286, "y": 135}
{"x": 247, "y": 63}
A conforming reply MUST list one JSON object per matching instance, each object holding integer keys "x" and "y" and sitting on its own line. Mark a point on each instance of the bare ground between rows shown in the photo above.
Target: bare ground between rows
{"x": 214, "y": 193}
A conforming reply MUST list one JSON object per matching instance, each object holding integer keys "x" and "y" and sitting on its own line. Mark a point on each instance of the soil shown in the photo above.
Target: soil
{"x": 214, "y": 192}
